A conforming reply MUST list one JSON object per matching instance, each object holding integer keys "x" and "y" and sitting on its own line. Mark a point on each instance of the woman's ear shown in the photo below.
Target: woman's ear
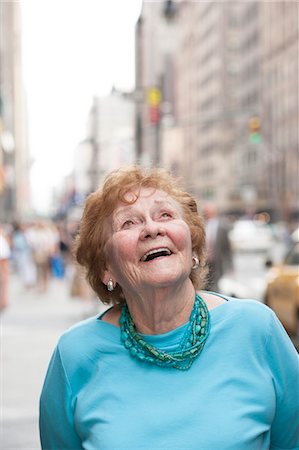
{"x": 108, "y": 275}
{"x": 105, "y": 277}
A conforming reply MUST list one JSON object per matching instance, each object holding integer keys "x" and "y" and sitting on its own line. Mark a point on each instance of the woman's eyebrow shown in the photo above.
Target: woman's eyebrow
{"x": 123, "y": 211}
{"x": 131, "y": 209}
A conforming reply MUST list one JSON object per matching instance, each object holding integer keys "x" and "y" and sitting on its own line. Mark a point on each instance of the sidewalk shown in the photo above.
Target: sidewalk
{"x": 30, "y": 328}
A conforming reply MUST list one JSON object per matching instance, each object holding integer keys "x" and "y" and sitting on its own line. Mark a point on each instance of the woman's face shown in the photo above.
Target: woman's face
{"x": 149, "y": 243}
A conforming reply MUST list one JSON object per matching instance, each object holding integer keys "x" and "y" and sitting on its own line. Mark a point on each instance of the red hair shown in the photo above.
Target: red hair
{"x": 91, "y": 239}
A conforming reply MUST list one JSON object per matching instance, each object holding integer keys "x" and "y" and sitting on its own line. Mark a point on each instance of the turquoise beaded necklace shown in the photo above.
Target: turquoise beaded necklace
{"x": 191, "y": 344}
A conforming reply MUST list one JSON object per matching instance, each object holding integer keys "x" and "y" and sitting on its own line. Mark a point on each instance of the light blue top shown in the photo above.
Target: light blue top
{"x": 241, "y": 393}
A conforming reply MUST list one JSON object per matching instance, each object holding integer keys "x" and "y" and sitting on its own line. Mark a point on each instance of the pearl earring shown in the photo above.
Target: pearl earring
{"x": 195, "y": 263}
{"x": 110, "y": 285}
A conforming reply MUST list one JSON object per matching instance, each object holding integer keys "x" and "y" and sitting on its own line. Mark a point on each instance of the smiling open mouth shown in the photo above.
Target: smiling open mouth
{"x": 152, "y": 254}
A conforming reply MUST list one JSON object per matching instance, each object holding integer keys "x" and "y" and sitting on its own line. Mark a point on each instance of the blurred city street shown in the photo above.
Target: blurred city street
{"x": 32, "y": 324}
{"x": 30, "y": 327}
{"x": 249, "y": 276}
{"x": 202, "y": 89}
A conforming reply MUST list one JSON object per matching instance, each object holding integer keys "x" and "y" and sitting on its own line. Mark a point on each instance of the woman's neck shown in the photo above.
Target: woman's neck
{"x": 162, "y": 310}
{"x": 212, "y": 301}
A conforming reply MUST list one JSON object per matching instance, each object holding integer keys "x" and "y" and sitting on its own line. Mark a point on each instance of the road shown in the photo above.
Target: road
{"x": 30, "y": 328}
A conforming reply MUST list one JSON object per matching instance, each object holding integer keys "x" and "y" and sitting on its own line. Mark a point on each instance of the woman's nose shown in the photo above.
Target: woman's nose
{"x": 152, "y": 229}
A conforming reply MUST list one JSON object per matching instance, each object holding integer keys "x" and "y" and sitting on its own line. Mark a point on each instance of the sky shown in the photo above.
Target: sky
{"x": 72, "y": 50}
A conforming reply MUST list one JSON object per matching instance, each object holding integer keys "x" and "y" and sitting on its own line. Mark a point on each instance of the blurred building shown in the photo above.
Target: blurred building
{"x": 243, "y": 44}
{"x": 280, "y": 103}
{"x": 156, "y": 45}
{"x": 109, "y": 143}
{"x": 233, "y": 128}
{"x": 14, "y": 159}
{"x": 208, "y": 98}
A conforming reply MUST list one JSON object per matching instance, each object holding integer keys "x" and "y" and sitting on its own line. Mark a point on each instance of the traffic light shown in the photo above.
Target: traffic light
{"x": 255, "y": 130}
{"x": 154, "y": 114}
{"x": 154, "y": 101}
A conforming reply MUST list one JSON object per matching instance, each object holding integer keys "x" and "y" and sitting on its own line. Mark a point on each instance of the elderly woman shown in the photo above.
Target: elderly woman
{"x": 168, "y": 366}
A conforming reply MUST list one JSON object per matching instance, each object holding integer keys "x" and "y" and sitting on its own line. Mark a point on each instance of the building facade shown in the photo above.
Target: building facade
{"x": 156, "y": 46}
{"x": 280, "y": 126}
{"x": 14, "y": 158}
{"x": 109, "y": 142}
{"x": 234, "y": 132}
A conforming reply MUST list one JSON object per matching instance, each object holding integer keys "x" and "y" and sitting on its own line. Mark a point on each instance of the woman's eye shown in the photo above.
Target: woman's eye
{"x": 166, "y": 215}
{"x": 127, "y": 223}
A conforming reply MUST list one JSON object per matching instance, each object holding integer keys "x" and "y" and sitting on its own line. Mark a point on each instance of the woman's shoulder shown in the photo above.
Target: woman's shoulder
{"x": 82, "y": 344}
{"x": 77, "y": 351}
{"x": 79, "y": 334}
{"x": 247, "y": 309}
{"x": 250, "y": 306}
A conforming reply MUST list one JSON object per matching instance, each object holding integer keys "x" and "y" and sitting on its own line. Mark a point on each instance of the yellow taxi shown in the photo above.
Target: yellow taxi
{"x": 282, "y": 291}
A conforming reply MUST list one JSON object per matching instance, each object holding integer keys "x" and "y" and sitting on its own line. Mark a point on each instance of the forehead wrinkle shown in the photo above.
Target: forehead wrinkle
{"x": 123, "y": 210}
{"x": 132, "y": 208}
{"x": 164, "y": 202}
{"x": 173, "y": 203}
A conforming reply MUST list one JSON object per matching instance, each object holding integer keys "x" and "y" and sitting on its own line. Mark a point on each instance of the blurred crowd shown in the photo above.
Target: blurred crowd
{"x": 36, "y": 252}
{"x": 42, "y": 250}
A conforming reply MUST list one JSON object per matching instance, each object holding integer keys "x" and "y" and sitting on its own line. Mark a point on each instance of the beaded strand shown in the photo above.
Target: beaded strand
{"x": 191, "y": 344}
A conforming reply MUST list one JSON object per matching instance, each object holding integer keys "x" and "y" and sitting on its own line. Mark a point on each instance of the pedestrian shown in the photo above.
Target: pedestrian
{"x": 5, "y": 254}
{"x": 43, "y": 238}
{"x": 22, "y": 254}
{"x": 219, "y": 251}
{"x": 167, "y": 366}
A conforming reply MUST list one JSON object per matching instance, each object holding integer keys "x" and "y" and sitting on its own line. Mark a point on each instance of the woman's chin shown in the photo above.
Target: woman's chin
{"x": 164, "y": 278}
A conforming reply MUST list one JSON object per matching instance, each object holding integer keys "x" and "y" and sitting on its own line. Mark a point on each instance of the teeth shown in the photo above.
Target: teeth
{"x": 157, "y": 250}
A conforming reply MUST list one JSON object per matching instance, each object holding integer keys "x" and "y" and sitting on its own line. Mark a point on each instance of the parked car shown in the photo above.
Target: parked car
{"x": 282, "y": 291}
{"x": 251, "y": 235}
